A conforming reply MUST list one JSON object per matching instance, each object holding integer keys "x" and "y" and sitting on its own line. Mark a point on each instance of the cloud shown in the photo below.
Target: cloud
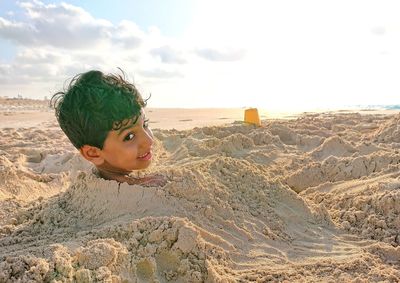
{"x": 4, "y": 71}
{"x": 54, "y": 42}
{"x": 26, "y": 69}
{"x": 128, "y": 34}
{"x": 213, "y": 54}
{"x": 67, "y": 26}
{"x": 160, "y": 74}
{"x": 379, "y": 30}
{"x": 38, "y": 64}
{"x": 17, "y": 32}
{"x": 58, "y": 41}
{"x": 38, "y": 56}
{"x": 168, "y": 55}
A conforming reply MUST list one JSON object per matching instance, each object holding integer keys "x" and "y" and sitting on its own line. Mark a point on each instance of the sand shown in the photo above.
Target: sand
{"x": 315, "y": 198}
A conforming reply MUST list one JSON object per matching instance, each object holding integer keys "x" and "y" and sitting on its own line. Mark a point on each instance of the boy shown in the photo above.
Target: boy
{"x": 103, "y": 116}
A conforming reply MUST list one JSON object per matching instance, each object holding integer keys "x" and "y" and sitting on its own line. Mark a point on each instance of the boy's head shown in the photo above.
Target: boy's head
{"x": 103, "y": 117}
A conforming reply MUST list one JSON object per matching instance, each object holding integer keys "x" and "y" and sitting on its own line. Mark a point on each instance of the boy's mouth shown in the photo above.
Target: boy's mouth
{"x": 146, "y": 156}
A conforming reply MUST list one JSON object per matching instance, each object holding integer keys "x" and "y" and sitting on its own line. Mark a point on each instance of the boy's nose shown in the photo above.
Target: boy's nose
{"x": 148, "y": 138}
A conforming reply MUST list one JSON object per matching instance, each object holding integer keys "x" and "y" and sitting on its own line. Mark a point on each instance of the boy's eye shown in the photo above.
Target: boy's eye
{"x": 129, "y": 137}
{"x": 146, "y": 123}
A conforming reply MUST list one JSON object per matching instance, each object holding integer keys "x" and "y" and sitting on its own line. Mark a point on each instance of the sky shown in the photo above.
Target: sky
{"x": 278, "y": 55}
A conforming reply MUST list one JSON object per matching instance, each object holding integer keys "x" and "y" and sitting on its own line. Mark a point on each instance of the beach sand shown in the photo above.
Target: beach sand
{"x": 315, "y": 198}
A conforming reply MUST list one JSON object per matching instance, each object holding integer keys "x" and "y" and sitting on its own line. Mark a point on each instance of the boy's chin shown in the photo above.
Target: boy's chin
{"x": 143, "y": 165}
{"x": 107, "y": 167}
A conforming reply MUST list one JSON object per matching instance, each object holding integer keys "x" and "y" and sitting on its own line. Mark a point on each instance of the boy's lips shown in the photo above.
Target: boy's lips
{"x": 146, "y": 156}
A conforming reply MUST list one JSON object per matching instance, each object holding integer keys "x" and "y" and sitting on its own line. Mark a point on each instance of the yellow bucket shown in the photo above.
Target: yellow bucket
{"x": 251, "y": 116}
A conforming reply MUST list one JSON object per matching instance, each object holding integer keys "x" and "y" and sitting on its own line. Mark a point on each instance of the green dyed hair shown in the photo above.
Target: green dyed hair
{"x": 94, "y": 104}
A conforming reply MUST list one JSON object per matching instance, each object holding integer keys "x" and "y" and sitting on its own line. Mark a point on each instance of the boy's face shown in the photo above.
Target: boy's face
{"x": 129, "y": 148}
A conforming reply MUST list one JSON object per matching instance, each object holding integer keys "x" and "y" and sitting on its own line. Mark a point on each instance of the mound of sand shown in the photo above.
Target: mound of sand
{"x": 389, "y": 132}
{"x": 333, "y": 146}
{"x": 334, "y": 169}
{"x": 371, "y": 212}
{"x": 230, "y": 211}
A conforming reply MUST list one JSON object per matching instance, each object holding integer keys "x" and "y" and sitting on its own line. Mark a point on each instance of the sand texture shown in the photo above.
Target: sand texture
{"x": 311, "y": 199}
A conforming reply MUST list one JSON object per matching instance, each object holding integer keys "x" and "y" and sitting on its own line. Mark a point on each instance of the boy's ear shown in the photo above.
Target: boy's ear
{"x": 92, "y": 153}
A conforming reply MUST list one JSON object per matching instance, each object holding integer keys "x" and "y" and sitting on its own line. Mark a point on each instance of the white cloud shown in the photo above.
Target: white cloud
{"x": 262, "y": 53}
{"x": 169, "y": 55}
{"x": 57, "y": 41}
{"x": 379, "y": 30}
{"x": 32, "y": 65}
{"x": 128, "y": 34}
{"x": 38, "y": 56}
{"x": 18, "y": 32}
{"x": 62, "y": 26}
{"x": 214, "y": 54}
{"x": 160, "y": 74}
{"x": 4, "y": 73}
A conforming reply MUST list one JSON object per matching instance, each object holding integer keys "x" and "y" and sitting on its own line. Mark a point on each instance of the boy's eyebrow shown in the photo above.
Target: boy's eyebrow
{"x": 120, "y": 131}
{"x": 130, "y": 125}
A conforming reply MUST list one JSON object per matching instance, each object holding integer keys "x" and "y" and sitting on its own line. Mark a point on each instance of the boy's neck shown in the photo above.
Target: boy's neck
{"x": 148, "y": 181}
{"x": 111, "y": 173}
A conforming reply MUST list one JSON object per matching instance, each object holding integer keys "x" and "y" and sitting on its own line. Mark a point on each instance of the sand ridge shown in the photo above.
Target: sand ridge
{"x": 312, "y": 199}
